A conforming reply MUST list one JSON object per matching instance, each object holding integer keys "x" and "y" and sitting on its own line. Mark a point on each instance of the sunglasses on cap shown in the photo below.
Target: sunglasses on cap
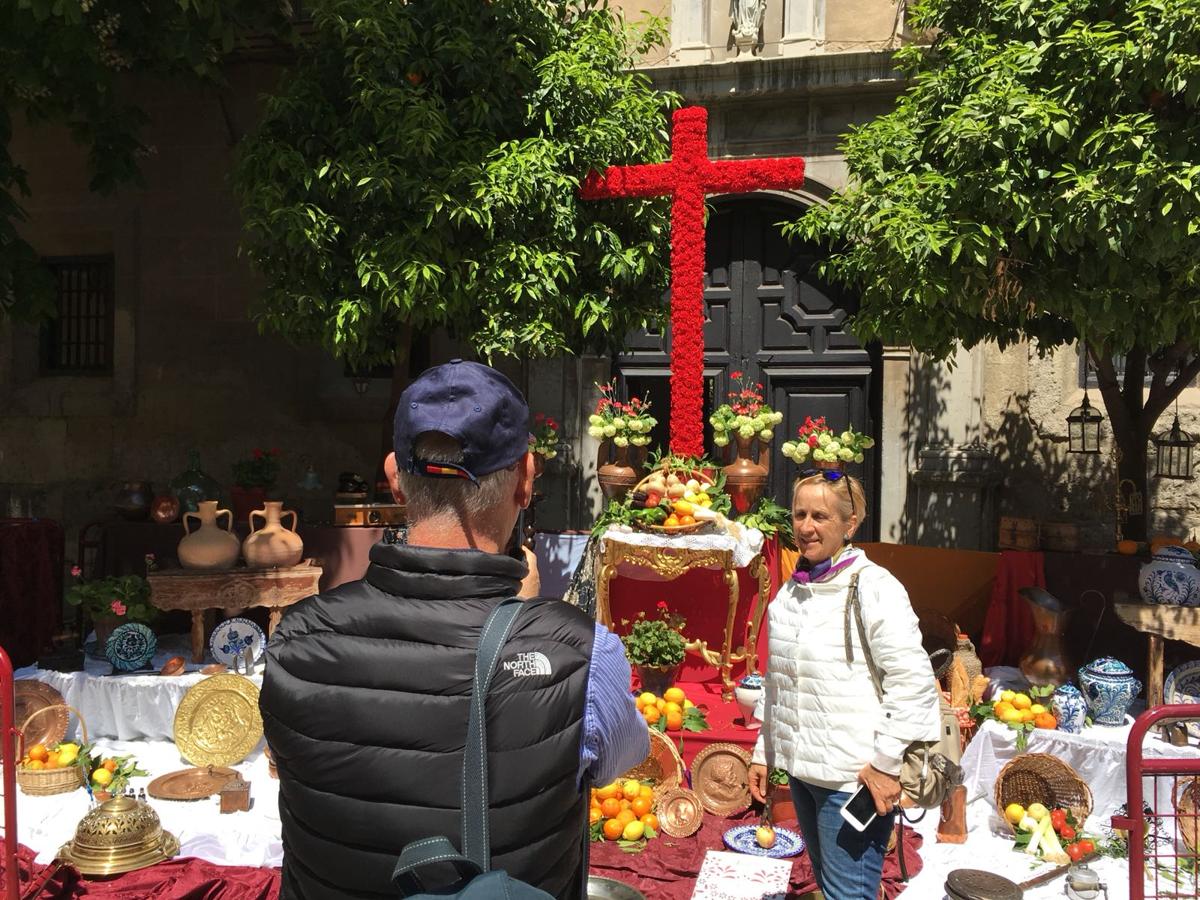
{"x": 833, "y": 476}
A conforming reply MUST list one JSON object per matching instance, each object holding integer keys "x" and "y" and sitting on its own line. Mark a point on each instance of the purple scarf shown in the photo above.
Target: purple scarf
{"x": 824, "y": 570}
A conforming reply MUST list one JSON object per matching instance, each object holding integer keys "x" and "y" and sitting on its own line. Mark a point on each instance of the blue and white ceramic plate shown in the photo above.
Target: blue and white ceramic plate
{"x": 130, "y": 647}
{"x": 231, "y": 638}
{"x": 741, "y": 839}
{"x": 1183, "y": 686}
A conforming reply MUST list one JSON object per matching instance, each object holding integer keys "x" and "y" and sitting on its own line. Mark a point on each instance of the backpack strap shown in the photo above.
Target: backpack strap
{"x": 418, "y": 854}
{"x": 476, "y": 843}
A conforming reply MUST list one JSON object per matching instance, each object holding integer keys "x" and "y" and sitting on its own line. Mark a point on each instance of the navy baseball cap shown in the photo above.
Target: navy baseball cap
{"x": 468, "y": 401}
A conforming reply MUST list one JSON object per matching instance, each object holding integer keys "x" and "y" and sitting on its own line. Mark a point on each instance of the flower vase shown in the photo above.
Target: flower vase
{"x": 274, "y": 545}
{"x": 656, "y": 679}
{"x": 618, "y": 476}
{"x": 209, "y": 546}
{"x": 746, "y": 477}
{"x": 246, "y": 500}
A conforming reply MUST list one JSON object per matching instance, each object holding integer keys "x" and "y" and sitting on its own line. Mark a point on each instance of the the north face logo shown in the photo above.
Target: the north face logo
{"x": 524, "y": 664}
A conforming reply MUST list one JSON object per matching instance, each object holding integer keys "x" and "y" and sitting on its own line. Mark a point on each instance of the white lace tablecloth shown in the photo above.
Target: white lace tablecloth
{"x": 250, "y": 838}
{"x": 126, "y": 707}
{"x": 746, "y": 543}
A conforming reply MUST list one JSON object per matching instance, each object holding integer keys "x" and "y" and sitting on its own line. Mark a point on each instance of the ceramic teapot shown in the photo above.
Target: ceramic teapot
{"x": 1170, "y": 578}
{"x": 1108, "y": 686}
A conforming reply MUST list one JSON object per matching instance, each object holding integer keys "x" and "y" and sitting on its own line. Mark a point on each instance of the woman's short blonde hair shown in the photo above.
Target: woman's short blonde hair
{"x": 853, "y": 490}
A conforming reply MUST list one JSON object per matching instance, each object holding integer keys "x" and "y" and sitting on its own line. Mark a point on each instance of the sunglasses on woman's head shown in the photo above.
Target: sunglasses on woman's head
{"x": 833, "y": 476}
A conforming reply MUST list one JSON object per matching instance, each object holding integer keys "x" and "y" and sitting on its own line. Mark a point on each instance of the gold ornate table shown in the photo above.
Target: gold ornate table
{"x": 671, "y": 559}
{"x": 198, "y": 592}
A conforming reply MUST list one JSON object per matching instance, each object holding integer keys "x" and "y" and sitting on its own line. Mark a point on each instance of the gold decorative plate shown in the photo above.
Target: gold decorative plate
{"x": 218, "y": 722}
{"x": 190, "y": 784}
{"x": 49, "y": 728}
{"x": 721, "y": 778}
{"x": 680, "y": 812}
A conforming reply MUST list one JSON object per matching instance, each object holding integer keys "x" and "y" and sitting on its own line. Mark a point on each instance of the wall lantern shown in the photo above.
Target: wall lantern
{"x": 1083, "y": 428}
{"x": 1173, "y": 452}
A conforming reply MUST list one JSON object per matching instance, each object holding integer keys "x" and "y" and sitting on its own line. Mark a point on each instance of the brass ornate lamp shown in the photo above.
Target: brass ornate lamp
{"x": 118, "y": 836}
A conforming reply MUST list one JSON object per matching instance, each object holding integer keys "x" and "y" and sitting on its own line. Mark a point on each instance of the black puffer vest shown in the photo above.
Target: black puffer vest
{"x": 365, "y": 703}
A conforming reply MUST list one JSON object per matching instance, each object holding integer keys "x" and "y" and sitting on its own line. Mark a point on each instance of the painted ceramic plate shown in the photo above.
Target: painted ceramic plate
{"x": 1182, "y": 685}
{"x": 721, "y": 779}
{"x": 217, "y": 722}
{"x": 48, "y": 728}
{"x": 231, "y": 638}
{"x": 741, "y": 839}
{"x": 130, "y": 647}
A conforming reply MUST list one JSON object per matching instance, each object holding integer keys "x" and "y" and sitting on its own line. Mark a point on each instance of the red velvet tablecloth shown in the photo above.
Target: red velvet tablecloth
{"x": 31, "y": 569}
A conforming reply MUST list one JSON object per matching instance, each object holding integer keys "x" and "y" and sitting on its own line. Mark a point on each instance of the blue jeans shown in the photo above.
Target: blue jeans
{"x": 848, "y": 864}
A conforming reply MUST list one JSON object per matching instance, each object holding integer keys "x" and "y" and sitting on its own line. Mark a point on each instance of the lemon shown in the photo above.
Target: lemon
{"x": 1037, "y": 709}
{"x": 1014, "y": 812}
{"x": 674, "y": 695}
{"x": 644, "y": 698}
{"x": 633, "y": 831}
{"x": 1008, "y": 696}
{"x": 102, "y": 777}
{"x": 688, "y": 704}
{"x": 67, "y": 754}
{"x": 1022, "y": 701}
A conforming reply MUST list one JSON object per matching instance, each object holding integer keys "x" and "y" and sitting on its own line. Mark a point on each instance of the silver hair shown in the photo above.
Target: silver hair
{"x": 432, "y": 498}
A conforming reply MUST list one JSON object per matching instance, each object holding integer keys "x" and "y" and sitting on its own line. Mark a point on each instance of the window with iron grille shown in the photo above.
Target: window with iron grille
{"x": 79, "y": 340}
{"x": 1087, "y": 374}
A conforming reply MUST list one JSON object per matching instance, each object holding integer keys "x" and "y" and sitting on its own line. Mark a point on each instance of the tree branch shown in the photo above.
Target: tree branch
{"x": 1110, "y": 390}
{"x": 1157, "y": 404}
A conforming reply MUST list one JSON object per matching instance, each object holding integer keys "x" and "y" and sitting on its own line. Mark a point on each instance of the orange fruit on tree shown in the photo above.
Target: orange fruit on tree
{"x": 674, "y": 721}
{"x": 594, "y": 816}
{"x": 610, "y": 807}
{"x": 641, "y": 806}
{"x": 38, "y": 752}
{"x": 650, "y": 820}
{"x": 625, "y": 816}
{"x": 612, "y": 830}
{"x": 674, "y": 695}
{"x": 609, "y": 790}
{"x": 652, "y": 714}
{"x": 631, "y": 789}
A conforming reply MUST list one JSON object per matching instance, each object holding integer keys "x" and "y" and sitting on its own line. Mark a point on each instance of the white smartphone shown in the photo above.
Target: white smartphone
{"x": 859, "y": 810}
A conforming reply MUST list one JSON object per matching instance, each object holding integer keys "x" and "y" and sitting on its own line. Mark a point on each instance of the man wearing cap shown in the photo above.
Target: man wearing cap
{"x": 367, "y": 687}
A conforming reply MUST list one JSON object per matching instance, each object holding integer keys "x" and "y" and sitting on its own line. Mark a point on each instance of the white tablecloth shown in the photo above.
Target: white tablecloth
{"x": 746, "y": 543}
{"x": 234, "y": 839}
{"x": 126, "y": 707}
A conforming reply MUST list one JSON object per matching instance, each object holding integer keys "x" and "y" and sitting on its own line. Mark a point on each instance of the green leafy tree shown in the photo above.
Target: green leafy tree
{"x": 69, "y": 62}
{"x": 420, "y": 168}
{"x": 1039, "y": 180}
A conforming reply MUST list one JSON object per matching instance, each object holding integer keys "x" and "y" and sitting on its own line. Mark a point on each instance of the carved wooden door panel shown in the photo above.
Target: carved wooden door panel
{"x": 769, "y": 316}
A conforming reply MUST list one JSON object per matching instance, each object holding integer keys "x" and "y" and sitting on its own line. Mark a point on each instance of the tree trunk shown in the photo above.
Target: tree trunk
{"x": 1133, "y": 482}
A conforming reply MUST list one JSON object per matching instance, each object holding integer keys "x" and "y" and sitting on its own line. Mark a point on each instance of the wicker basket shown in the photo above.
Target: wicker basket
{"x": 1187, "y": 811}
{"x": 44, "y": 782}
{"x": 663, "y": 765}
{"x": 705, "y": 480}
{"x": 1042, "y": 778}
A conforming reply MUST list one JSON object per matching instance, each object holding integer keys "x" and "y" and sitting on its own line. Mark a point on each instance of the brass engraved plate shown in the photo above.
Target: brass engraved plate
{"x": 721, "y": 779}
{"x": 218, "y": 722}
{"x": 48, "y": 728}
{"x": 680, "y": 812}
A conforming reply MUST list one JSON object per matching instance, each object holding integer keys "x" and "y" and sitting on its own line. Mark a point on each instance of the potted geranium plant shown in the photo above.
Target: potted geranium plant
{"x": 656, "y": 648}
{"x": 253, "y": 480}
{"x": 544, "y": 441}
{"x": 112, "y": 601}
{"x": 620, "y": 426}
{"x": 818, "y": 444}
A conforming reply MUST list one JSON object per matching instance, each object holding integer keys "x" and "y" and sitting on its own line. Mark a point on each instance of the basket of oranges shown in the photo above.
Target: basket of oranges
{"x": 623, "y": 811}
{"x": 43, "y": 771}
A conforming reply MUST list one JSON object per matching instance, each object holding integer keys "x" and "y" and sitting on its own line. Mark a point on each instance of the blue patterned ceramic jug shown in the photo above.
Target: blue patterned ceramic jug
{"x": 1170, "y": 578}
{"x": 1069, "y": 708}
{"x": 1108, "y": 686}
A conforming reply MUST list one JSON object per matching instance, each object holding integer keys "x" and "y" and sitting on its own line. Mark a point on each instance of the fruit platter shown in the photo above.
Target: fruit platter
{"x": 678, "y": 496}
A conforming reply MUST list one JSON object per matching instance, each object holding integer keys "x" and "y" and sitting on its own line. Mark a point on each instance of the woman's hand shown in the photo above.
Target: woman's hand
{"x": 884, "y": 788}
{"x": 758, "y": 783}
{"x": 531, "y": 584}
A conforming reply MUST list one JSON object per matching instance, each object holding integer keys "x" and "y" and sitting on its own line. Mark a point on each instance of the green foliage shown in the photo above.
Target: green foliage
{"x": 420, "y": 167}
{"x": 125, "y": 597}
{"x": 771, "y": 519}
{"x": 64, "y": 62}
{"x": 656, "y": 642}
{"x": 778, "y": 776}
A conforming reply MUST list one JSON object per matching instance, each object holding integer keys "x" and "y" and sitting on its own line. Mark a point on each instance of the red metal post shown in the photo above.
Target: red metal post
{"x": 8, "y": 763}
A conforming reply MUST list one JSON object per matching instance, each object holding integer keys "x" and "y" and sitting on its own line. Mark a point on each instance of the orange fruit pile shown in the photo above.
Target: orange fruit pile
{"x": 624, "y": 810}
{"x": 39, "y": 756}
{"x": 1018, "y": 709}
{"x": 669, "y": 706}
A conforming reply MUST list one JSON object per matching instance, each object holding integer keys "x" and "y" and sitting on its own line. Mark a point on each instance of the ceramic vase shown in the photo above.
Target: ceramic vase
{"x": 747, "y": 692}
{"x": 618, "y": 476}
{"x": 1170, "y": 578}
{"x": 274, "y": 545}
{"x": 746, "y": 477}
{"x": 209, "y": 546}
{"x": 1069, "y": 708}
{"x": 656, "y": 679}
{"x": 1108, "y": 686}
{"x": 133, "y": 500}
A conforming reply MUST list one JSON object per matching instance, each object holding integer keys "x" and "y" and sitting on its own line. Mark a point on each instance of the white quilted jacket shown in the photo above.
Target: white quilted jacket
{"x": 822, "y": 720}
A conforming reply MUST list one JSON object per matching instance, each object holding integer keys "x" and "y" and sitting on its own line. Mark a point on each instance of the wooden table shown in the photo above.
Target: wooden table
{"x": 231, "y": 589}
{"x": 670, "y": 562}
{"x": 1179, "y": 623}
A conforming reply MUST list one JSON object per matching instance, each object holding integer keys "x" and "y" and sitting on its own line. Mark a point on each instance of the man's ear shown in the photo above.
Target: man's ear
{"x": 392, "y": 471}
{"x": 525, "y": 473}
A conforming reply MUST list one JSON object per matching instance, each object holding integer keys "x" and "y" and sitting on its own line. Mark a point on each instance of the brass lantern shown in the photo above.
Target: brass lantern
{"x": 1083, "y": 428}
{"x": 1173, "y": 453}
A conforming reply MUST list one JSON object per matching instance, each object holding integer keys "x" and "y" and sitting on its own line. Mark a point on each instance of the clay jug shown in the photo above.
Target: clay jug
{"x": 274, "y": 544}
{"x": 618, "y": 476}
{"x": 210, "y": 546}
{"x": 746, "y": 477}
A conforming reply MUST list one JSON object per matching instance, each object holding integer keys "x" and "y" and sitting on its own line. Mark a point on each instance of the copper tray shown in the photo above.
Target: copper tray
{"x": 721, "y": 779}
{"x": 680, "y": 812}
{"x": 49, "y": 728}
{"x": 190, "y": 784}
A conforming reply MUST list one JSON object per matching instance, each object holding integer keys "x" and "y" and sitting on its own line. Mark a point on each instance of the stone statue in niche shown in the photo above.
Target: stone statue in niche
{"x": 746, "y": 22}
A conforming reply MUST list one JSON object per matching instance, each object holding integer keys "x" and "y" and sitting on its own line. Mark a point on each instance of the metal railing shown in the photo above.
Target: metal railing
{"x": 8, "y": 770}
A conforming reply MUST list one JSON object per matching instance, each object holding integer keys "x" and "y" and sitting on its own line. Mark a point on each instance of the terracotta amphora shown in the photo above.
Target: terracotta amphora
{"x": 210, "y": 546}
{"x": 274, "y": 544}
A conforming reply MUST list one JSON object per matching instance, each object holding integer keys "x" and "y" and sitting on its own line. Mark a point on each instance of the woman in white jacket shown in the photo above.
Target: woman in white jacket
{"x": 822, "y": 720}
